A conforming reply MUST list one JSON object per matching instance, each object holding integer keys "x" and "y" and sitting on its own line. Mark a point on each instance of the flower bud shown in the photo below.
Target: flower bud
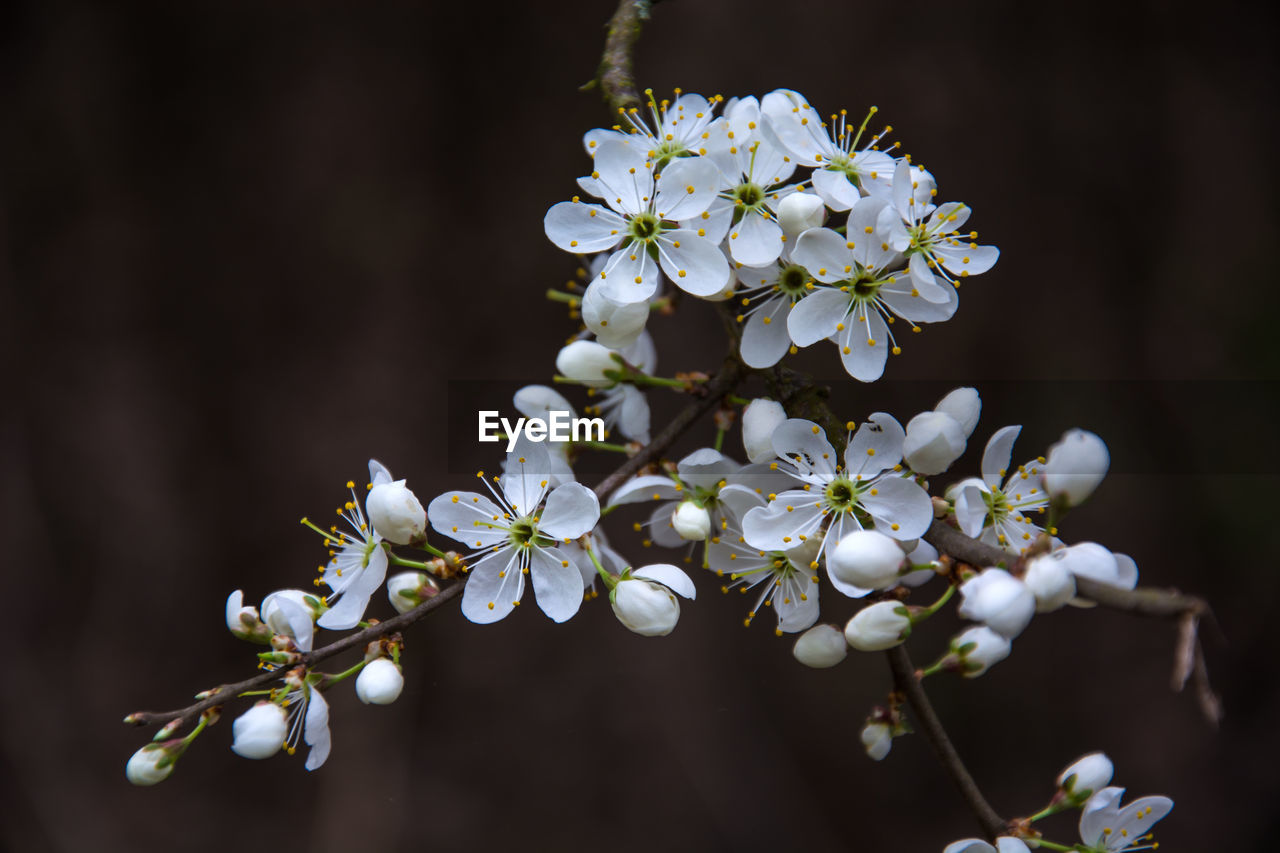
{"x": 1050, "y": 581}
{"x": 1000, "y": 600}
{"x": 243, "y": 621}
{"x": 616, "y": 326}
{"x": 866, "y": 558}
{"x": 878, "y": 627}
{"x": 289, "y": 612}
{"x": 877, "y": 738}
{"x": 649, "y": 609}
{"x": 979, "y": 648}
{"x": 820, "y": 647}
{"x": 1086, "y": 775}
{"x": 1093, "y": 561}
{"x": 396, "y": 513}
{"x": 379, "y": 683}
{"x": 965, "y": 406}
{"x": 260, "y": 731}
{"x": 934, "y": 440}
{"x": 1075, "y": 466}
{"x": 759, "y": 420}
{"x": 691, "y": 521}
{"x": 409, "y": 589}
{"x": 585, "y": 362}
{"x": 150, "y": 765}
{"x": 799, "y": 212}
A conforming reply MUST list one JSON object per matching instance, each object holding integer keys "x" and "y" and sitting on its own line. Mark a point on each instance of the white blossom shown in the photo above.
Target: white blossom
{"x": 964, "y": 405}
{"x": 1086, "y": 774}
{"x": 260, "y": 731}
{"x": 844, "y": 172}
{"x": 519, "y": 533}
{"x": 640, "y": 221}
{"x": 999, "y": 600}
{"x": 291, "y": 613}
{"x": 867, "y": 492}
{"x": 861, "y": 291}
{"x": 821, "y": 647}
{"x": 396, "y": 513}
{"x": 1050, "y": 582}
{"x": 935, "y": 247}
{"x": 934, "y": 440}
{"x": 691, "y": 521}
{"x": 1075, "y": 466}
{"x": 800, "y": 211}
{"x": 407, "y": 590}
{"x": 150, "y": 765}
{"x": 979, "y": 648}
{"x": 585, "y": 362}
{"x": 877, "y": 739}
{"x": 1106, "y": 827}
{"x": 380, "y": 682}
{"x": 360, "y": 566}
{"x": 867, "y": 559}
{"x": 879, "y": 626}
{"x": 999, "y": 514}
{"x": 644, "y": 601}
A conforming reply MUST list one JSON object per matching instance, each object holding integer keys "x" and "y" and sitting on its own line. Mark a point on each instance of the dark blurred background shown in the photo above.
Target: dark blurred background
{"x": 247, "y": 246}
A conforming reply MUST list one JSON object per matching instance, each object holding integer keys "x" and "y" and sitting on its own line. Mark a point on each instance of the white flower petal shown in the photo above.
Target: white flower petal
{"x": 817, "y": 316}
{"x": 756, "y": 240}
{"x": 900, "y": 508}
{"x": 996, "y": 456}
{"x": 650, "y": 487}
{"x": 557, "y": 583}
{"x": 494, "y": 586}
{"x": 571, "y": 510}
{"x": 315, "y": 729}
{"x": 579, "y": 227}
{"x": 765, "y": 337}
{"x": 686, "y": 188}
{"x": 669, "y": 576}
{"x": 693, "y": 263}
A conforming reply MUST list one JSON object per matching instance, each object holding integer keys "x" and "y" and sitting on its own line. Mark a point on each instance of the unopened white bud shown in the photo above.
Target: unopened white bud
{"x": 586, "y": 362}
{"x": 881, "y": 626}
{"x": 616, "y": 326}
{"x": 691, "y": 521}
{"x": 244, "y": 622}
{"x": 799, "y": 212}
{"x": 1000, "y": 600}
{"x": 1075, "y": 466}
{"x": 868, "y": 559}
{"x": 965, "y": 406}
{"x": 934, "y": 440}
{"x": 1050, "y": 581}
{"x": 260, "y": 731}
{"x": 150, "y": 765}
{"x": 979, "y": 648}
{"x": 1086, "y": 775}
{"x": 396, "y": 513}
{"x": 1093, "y": 561}
{"x": 820, "y": 647}
{"x": 407, "y": 590}
{"x": 379, "y": 683}
{"x": 647, "y": 608}
{"x": 877, "y": 738}
{"x": 289, "y": 612}
{"x": 759, "y": 420}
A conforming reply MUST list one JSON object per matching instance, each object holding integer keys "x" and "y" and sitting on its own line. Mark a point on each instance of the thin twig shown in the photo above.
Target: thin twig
{"x": 227, "y": 692}
{"x": 1143, "y": 601}
{"x": 904, "y": 676}
{"x": 710, "y": 392}
{"x": 615, "y": 77}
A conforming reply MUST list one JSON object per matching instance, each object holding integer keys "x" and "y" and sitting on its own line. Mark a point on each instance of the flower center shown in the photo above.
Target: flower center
{"x": 644, "y": 227}
{"x": 522, "y": 532}
{"x": 792, "y": 279}
{"x": 842, "y": 496}
{"x": 844, "y": 164}
{"x": 748, "y": 195}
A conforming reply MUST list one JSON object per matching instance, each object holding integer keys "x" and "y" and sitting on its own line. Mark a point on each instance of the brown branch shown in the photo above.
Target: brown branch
{"x": 904, "y": 676}
{"x": 615, "y": 76}
{"x": 1143, "y": 601}
{"x": 227, "y": 692}
{"x": 710, "y": 393}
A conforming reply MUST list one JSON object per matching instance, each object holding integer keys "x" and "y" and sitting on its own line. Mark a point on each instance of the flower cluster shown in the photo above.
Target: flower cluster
{"x": 812, "y": 224}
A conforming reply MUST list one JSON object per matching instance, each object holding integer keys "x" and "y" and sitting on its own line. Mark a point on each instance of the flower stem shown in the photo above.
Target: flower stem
{"x": 604, "y": 445}
{"x": 609, "y": 580}
{"x": 719, "y": 443}
{"x": 936, "y": 606}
